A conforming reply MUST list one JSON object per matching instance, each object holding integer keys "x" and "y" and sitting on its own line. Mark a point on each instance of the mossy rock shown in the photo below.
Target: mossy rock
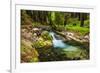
{"x": 45, "y": 35}
{"x": 35, "y": 59}
{"x": 79, "y": 54}
{"x": 28, "y": 54}
{"x": 41, "y": 43}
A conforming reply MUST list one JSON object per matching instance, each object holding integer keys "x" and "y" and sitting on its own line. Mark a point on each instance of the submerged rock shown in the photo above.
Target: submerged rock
{"x": 79, "y": 54}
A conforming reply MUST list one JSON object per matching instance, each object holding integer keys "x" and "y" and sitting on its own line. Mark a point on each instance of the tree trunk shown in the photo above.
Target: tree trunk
{"x": 82, "y": 20}
{"x": 65, "y": 20}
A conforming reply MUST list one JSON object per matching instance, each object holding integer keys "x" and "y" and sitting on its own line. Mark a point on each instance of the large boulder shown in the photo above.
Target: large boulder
{"x": 28, "y": 53}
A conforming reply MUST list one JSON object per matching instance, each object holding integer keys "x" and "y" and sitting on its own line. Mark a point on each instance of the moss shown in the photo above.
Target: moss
{"x": 45, "y": 35}
{"x": 28, "y": 54}
{"x": 82, "y": 31}
{"x": 44, "y": 40}
{"x": 41, "y": 43}
{"x": 79, "y": 54}
{"x": 35, "y": 59}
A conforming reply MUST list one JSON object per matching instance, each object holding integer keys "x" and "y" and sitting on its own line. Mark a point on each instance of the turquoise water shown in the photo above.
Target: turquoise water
{"x": 58, "y": 43}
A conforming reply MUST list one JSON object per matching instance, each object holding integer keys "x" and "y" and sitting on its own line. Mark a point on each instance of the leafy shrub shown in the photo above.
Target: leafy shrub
{"x": 72, "y": 21}
{"x": 87, "y": 23}
{"x": 78, "y": 29}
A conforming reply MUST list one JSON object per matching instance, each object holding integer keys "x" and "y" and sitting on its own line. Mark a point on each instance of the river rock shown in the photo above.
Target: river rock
{"x": 86, "y": 37}
{"x": 35, "y": 29}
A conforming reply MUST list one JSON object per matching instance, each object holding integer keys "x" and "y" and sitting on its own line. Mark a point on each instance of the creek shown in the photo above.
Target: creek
{"x": 58, "y": 43}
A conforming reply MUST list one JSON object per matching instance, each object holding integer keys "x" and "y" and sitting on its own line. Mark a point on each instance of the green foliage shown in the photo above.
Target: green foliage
{"x": 79, "y": 54}
{"x": 59, "y": 20}
{"x": 35, "y": 59}
{"x": 41, "y": 43}
{"x": 36, "y": 24}
{"x": 42, "y": 48}
{"x": 53, "y": 16}
{"x": 78, "y": 29}
{"x": 45, "y": 35}
{"x": 87, "y": 23}
{"x": 72, "y": 21}
{"x": 59, "y": 27}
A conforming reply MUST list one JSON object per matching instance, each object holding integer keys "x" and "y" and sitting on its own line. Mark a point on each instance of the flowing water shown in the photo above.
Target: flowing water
{"x": 58, "y": 43}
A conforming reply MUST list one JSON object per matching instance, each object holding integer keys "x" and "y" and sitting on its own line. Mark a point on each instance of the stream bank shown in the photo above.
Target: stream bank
{"x": 43, "y": 49}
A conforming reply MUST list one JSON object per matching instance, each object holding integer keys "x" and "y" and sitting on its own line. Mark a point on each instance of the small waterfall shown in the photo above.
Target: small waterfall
{"x": 52, "y": 34}
{"x": 58, "y": 43}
